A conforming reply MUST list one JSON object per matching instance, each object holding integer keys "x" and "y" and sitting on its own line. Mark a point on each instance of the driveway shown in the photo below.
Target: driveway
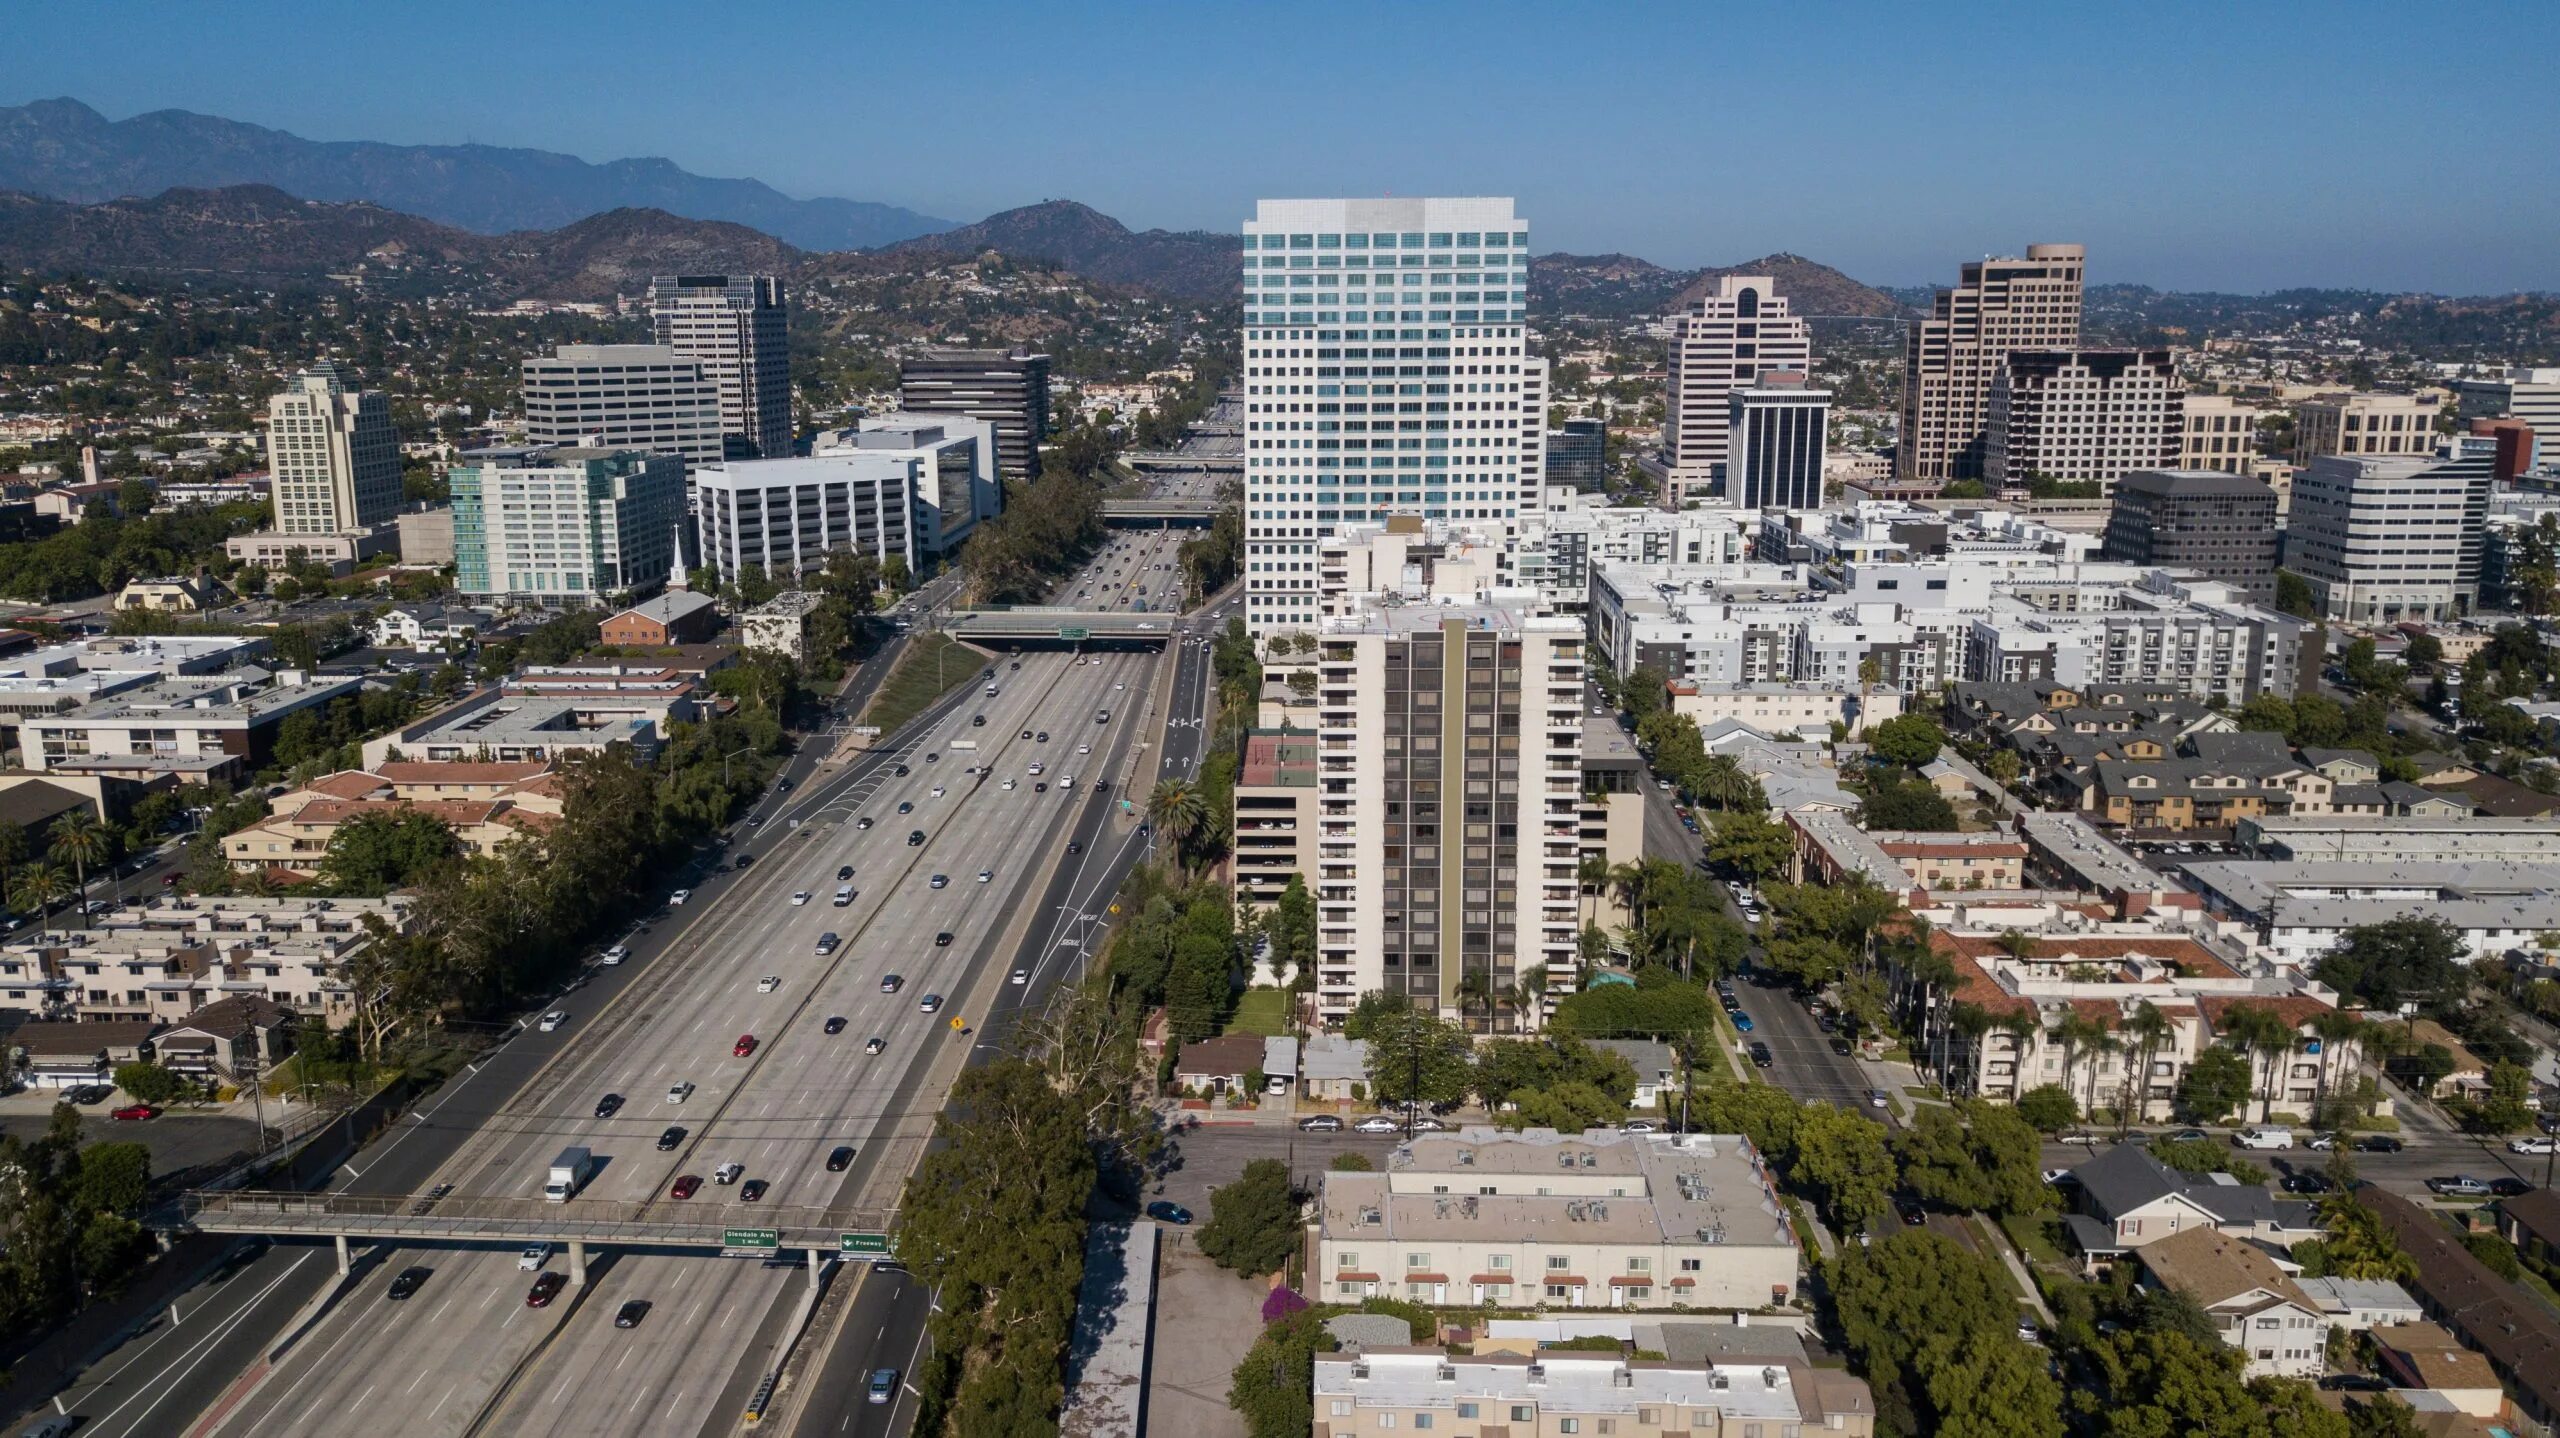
{"x": 1206, "y": 1318}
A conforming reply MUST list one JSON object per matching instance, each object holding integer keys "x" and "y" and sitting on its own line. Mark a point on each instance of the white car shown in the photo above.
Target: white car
{"x": 679, "y": 1092}
{"x": 799, "y": 898}
{"x": 533, "y": 1256}
{"x": 985, "y": 874}
{"x": 1037, "y": 769}
{"x": 768, "y": 983}
{"x": 614, "y": 955}
{"x": 1378, "y": 1123}
{"x": 937, "y": 791}
{"x": 1008, "y": 783}
{"x": 1084, "y": 748}
{"x": 679, "y": 896}
{"x": 553, "y": 1020}
{"x": 1022, "y": 976}
{"x": 2545, "y": 1144}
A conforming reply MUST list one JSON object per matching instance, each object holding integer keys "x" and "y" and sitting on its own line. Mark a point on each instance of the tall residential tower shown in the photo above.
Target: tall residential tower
{"x": 333, "y": 453}
{"x": 1384, "y": 367}
{"x": 739, "y": 328}
{"x": 1954, "y": 357}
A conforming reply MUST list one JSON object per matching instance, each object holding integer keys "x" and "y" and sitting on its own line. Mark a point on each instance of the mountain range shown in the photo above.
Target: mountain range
{"x": 1615, "y": 286}
{"x": 66, "y": 151}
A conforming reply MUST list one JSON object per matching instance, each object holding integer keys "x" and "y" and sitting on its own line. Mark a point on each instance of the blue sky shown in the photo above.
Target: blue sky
{"x": 2245, "y": 146}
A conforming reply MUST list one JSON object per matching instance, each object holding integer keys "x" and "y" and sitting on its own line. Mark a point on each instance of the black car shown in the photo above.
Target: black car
{"x": 2378, "y": 1143}
{"x": 1840, "y": 1046}
{"x": 902, "y": 771}
{"x": 942, "y": 940}
{"x": 1760, "y": 1055}
{"x": 1321, "y": 1123}
{"x": 840, "y": 1159}
{"x": 669, "y": 1140}
{"x": 835, "y": 1023}
{"x": 1075, "y": 846}
{"x": 845, "y": 872}
{"x": 630, "y": 1314}
{"x": 609, "y": 1105}
{"x": 408, "y": 1282}
{"x": 1042, "y": 736}
{"x": 2308, "y": 1181}
{"x": 2509, "y": 1187}
{"x": 915, "y": 838}
{"x": 745, "y": 859}
{"x": 977, "y": 721}
{"x": 1829, "y": 1022}
{"x": 1910, "y": 1209}
{"x": 752, "y": 1191}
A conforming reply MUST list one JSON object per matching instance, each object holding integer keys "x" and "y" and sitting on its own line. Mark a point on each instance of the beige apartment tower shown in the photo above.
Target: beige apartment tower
{"x": 1954, "y": 357}
{"x": 333, "y": 453}
{"x": 1722, "y": 341}
{"x": 2081, "y": 417}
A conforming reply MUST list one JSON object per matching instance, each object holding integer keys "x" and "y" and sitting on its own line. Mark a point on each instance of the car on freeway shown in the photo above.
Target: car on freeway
{"x": 891, "y": 983}
{"x": 915, "y": 837}
{"x": 1009, "y": 785}
{"x": 937, "y": 791}
{"x": 679, "y": 1091}
{"x": 2538, "y": 1144}
{"x": 671, "y": 1138}
{"x": 745, "y": 1045}
{"x": 1379, "y": 1123}
{"x": 684, "y": 1187}
{"x": 1321, "y": 1123}
{"x": 835, "y": 1023}
{"x": 930, "y": 1003}
{"x": 630, "y": 1314}
{"x": 844, "y": 872}
{"x": 1075, "y": 846}
{"x": 746, "y": 860}
{"x": 1164, "y": 1212}
{"x": 609, "y": 1105}
{"x": 906, "y": 806}
{"x": 1021, "y": 976}
{"x": 753, "y": 1191}
{"x": 1026, "y": 733}
{"x": 768, "y": 983}
{"x": 985, "y": 874}
{"x": 407, "y": 1282}
{"x": 552, "y": 1021}
{"x": 729, "y": 1172}
{"x": 840, "y": 1158}
{"x": 544, "y": 1289}
{"x": 1084, "y": 748}
{"x": 1042, "y": 736}
{"x": 614, "y": 955}
{"x": 942, "y": 881}
{"x": 844, "y": 896}
{"x": 532, "y": 1256}
{"x": 2457, "y": 1185}
{"x": 862, "y": 823}
{"x": 882, "y": 1387}
{"x": 799, "y": 897}
{"x": 875, "y": 1045}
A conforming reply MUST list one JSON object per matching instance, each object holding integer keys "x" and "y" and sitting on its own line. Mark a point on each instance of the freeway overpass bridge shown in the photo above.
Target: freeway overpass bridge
{"x": 1037, "y": 625}
{"x": 1143, "y": 459}
{"x": 736, "y": 1229}
{"x": 1160, "y": 513}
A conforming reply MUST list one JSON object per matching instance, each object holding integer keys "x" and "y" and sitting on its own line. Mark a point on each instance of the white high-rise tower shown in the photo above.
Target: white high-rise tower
{"x": 1384, "y": 367}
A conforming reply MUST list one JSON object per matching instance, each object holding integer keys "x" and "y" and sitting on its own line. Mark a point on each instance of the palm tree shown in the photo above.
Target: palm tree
{"x": 2336, "y": 1029}
{"x": 1631, "y": 881}
{"x": 2020, "y": 1025}
{"x": 13, "y": 848}
{"x": 1593, "y": 874}
{"x": 2260, "y": 1033}
{"x": 2101, "y": 1046}
{"x": 2072, "y": 1032}
{"x": 1175, "y": 809}
{"x": 80, "y": 840}
{"x": 2149, "y": 1029}
{"x": 1972, "y": 1021}
{"x": 1533, "y": 993}
{"x": 1475, "y": 986}
{"x": 42, "y": 885}
{"x": 2015, "y": 944}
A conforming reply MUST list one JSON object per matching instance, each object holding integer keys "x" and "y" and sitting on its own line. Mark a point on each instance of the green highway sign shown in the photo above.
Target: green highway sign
{"x": 877, "y": 1243}
{"x": 1074, "y": 631}
{"x": 750, "y": 1238}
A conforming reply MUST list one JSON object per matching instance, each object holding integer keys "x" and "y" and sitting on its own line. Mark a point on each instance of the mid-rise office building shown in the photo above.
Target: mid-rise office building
{"x": 2391, "y": 425}
{"x": 637, "y": 397}
{"x": 785, "y": 516}
{"x": 1364, "y": 1391}
{"x": 953, "y": 460}
{"x": 2217, "y": 431}
{"x": 1953, "y": 358}
{"x": 2081, "y": 416}
{"x": 1777, "y": 429}
{"x": 1722, "y": 341}
{"x": 334, "y": 456}
{"x": 2206, "y": 522}
{"x": 1578, "y": 455}
{"x": 2526, "y": 394}
{"x": 1385, "y": 372}
{"x": 564, "y": 527}
{"x": 1449, "y": 784}
{"x": 739, "y": 328}
{"x": 2387, "y": 539}
{"x": 1007, "y": 388}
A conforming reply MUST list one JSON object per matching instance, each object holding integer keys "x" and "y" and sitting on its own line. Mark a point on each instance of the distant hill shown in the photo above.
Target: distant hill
{"x": 1189, "y": 264}
{"x": 64, "y": 150}
{"x": 1615, "y": 286}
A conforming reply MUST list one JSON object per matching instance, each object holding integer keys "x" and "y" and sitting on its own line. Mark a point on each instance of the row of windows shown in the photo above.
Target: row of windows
{"x": 1409, "y": 239}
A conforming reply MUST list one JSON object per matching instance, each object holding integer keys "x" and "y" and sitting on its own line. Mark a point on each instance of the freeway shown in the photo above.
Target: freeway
{"x": 960, "y": 863}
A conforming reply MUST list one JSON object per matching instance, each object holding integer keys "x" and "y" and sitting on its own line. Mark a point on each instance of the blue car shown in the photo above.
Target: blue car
{"x": 1164, "y": 1212}
{"x": 884, "y": 1385}
{"x": 1742, "y": 1021}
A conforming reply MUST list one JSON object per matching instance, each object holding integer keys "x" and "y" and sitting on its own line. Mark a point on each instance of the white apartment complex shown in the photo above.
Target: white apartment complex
{"x": 1370, "y": 1391}
{"x": 1449, "y": 749}
{"x": 163, "y": 959}
{"x": 2383, "y": 540}
{"x": 1385, "y": 372}
{"x": 1722, "y": 341}
{"x": 564, "y": 527}
{"x": 637, "y": 397}
{"x": 737, "y": 326}
{"x": 2081, "y": 417}
{"x": 1536, "y": 1218}
{"x": 1953, "y": 357}
{"x": 334, "y": 455}
{"x": 2528, "y": 394}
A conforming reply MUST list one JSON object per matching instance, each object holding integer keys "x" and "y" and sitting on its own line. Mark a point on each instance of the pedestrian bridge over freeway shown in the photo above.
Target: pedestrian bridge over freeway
{"x": 861, "y": 1233}
{"x": 1033, "y": 624}
{"x": 1173, "y": 459}
{"x": 1199, "y": 513}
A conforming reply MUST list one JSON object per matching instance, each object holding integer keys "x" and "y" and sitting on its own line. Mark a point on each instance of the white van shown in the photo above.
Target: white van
{"x": 2264, "y": 1138}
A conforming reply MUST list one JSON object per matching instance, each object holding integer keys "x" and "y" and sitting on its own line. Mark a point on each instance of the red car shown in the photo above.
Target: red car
{"x": 746, "y": 1045}
{"x": 544, "y": 1289}
{"x": 135, "y": 1111}
{"x": 685, "y": 1186}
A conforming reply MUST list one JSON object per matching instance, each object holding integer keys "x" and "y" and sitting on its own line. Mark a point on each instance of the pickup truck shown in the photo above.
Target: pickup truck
{"x": 2460, "y": 1185}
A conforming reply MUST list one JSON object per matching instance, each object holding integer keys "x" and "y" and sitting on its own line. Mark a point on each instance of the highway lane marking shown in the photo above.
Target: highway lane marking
{"x": 201, "y": 1349}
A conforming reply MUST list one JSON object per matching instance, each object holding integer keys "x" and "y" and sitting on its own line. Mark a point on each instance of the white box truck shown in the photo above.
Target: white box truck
{"x": 568, "y": 1174}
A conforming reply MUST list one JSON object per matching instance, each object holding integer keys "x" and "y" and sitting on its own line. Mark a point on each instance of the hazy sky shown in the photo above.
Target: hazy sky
{"x": 2248, "y": 145}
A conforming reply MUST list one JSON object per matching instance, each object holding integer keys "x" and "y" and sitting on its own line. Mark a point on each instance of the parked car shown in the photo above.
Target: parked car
{"x": 2379, "y": 1143}
{"x": 134, "y": 1113}
{"x": 1761, "y": 1055}
{"x": 1164, "y": 1212}
{"x": 1379, "y": 1123}
{"x": 2538, "y": 1144}
{"x": 1742, "y": 1021}
{"x": 2459, "y": 1185}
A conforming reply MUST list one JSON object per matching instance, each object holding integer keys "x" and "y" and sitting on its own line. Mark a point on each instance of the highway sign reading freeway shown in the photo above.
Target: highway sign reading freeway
{"x": 1074, "y": 631}
{"x": 764, "y": 1238}
{"x": 877, "y": 1243}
